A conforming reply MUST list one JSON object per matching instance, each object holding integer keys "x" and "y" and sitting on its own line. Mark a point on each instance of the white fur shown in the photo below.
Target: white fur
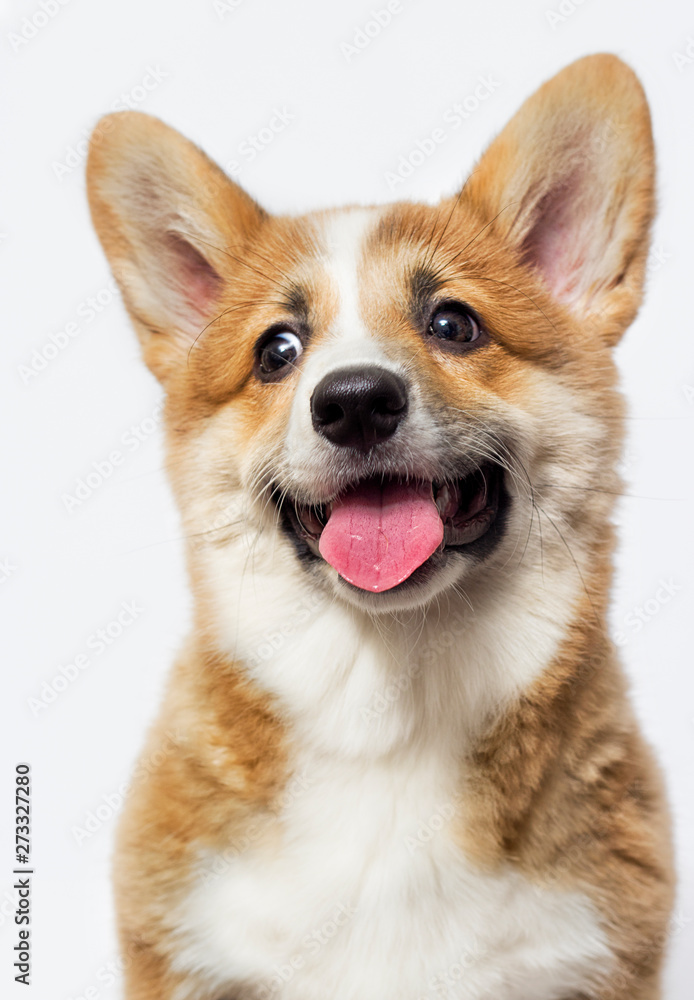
{"x": 386, "y": 907}
{"x": 406, "y": 910}
{"x": 344, "y": 236}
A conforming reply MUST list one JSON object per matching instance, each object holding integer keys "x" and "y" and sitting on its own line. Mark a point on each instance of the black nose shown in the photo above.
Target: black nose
{"x": 358, "y": 407}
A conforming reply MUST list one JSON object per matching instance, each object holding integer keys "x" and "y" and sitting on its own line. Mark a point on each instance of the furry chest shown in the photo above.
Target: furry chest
{"x": 361, "y": 884}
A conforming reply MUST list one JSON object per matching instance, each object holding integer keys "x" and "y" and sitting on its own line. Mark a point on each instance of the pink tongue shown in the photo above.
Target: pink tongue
{"x": 377, "y": 535}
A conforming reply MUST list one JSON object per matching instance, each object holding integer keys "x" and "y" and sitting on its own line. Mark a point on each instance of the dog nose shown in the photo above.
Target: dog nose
{"x": 359, "y": 407}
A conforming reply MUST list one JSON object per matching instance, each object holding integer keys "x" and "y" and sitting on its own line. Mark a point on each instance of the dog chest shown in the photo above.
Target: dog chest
{"x": 358, "y": 883}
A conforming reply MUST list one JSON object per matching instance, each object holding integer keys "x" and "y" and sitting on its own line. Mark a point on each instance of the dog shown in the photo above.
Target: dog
{"x": 399, "y": 757}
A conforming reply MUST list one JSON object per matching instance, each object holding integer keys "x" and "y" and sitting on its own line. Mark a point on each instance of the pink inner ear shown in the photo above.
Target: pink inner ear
{"x": 194, "y": 276}
{"x": 558, "y": 242}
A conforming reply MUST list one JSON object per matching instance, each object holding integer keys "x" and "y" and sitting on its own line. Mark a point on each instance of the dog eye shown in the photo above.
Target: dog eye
{"x": 281, "y": 350}
{"x": 454, "y": 323}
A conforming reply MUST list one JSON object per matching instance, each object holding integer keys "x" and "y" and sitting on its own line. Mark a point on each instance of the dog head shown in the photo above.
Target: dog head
{"x": 394, "y": 401}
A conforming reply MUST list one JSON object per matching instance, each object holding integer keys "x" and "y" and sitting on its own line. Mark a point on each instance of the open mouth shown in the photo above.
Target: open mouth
{"x": 380, "y": 531}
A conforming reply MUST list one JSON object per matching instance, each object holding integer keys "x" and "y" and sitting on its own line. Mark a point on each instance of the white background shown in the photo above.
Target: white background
{"x": 220, "y": 78}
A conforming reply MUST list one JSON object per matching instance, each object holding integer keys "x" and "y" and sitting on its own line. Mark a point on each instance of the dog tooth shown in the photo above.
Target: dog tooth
{"x": 443, "y": 496}
{"x": 447, "y": 501}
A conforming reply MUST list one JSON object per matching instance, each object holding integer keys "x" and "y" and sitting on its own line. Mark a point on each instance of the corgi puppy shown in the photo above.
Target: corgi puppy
{"x": 398, "y": 760}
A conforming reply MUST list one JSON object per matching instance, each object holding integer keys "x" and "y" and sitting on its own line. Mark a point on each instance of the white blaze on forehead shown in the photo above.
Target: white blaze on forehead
{"x": 349, "y": 342}
{"x": 345, "y": 236}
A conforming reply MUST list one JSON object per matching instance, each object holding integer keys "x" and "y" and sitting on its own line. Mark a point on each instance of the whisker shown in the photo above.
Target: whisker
{"x": 478, "y": 234}
{"x": 433, "y": 252}
{"x": 231, "y": 256}
{"x": 573, "y": 559}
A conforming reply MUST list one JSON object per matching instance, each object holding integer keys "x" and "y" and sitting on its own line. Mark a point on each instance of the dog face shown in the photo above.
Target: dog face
{"x": 393, "y": 402}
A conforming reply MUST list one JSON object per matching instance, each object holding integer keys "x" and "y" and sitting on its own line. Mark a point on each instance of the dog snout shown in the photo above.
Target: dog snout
{"x": 359, "y": 407}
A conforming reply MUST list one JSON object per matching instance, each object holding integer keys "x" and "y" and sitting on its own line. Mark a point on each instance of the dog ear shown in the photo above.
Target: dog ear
{"x": 569, "y": 183}
{"x": 164, "y": 213}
